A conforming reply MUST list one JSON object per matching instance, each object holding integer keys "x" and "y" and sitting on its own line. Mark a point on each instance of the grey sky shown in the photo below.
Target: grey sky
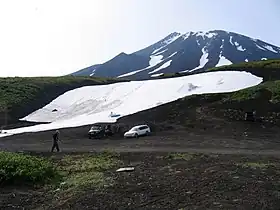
{"x": 56, "y": 37}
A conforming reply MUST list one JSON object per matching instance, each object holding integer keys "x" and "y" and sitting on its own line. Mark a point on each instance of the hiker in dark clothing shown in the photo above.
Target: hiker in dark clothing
{"x": 55, "y": 141}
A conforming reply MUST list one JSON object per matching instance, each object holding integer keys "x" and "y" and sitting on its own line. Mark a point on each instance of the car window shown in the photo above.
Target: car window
{"x": 143, "y": 127}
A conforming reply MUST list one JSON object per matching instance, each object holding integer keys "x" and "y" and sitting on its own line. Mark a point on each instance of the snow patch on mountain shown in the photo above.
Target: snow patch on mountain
{"x": 203, "y": 60}
{"x": 93, "y": 72}
{"x": 172, "y": 55}
{"x": 270, "y": 48}
{"x": 230, "y": 40}
{"x": 186, "y": 35}
{"x": 210, "y": 35}
{"x": 239, "y": 47}
{"x": 163, "y": 66}
{"x": 157, "y": 75}
{"x": 260, "y": 47}
{"x": 154, "y": 60}
{"x": 130, "y": 73}
{"x": 206, "y": 34}
{"x": 168, "y": 41}
{"x": 223, "y": 61}
{"x": 158, "y": 53}
{"x": 223, "y": 41}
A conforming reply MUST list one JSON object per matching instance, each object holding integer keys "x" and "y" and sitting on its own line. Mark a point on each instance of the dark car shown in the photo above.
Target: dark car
{"x": 96, "y": 132}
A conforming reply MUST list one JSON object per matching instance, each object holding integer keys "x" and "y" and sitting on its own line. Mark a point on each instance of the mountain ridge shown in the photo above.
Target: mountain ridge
{"x": 185, "y": 52}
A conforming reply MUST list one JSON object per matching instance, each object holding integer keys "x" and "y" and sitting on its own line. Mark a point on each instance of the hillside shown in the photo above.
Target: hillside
{"x": 96, "y": 104}
{"x": 268, "y": 69}
{"x": 222, "y": 110}
{"x": 21, "y": 96}
{"x": 185, "y": 52}
{"x": 25, "y": 95}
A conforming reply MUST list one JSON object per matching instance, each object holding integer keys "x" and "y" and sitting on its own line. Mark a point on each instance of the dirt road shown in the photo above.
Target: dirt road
{"x": 75, "y": 140}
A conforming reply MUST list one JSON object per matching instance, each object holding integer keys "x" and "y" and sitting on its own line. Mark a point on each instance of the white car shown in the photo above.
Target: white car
{"x": 136, "y": 131}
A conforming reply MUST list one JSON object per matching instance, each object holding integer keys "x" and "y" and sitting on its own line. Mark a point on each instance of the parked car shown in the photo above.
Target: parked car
{"x": 136, "y": 131}
{"x": 96, "y": 132}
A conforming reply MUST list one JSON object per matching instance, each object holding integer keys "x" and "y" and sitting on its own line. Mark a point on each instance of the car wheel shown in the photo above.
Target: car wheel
{"x": 136, "y": 135}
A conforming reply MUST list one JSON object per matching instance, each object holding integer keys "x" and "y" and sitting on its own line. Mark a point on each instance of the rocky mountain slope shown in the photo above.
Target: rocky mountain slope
{"x": 187, "y": 52}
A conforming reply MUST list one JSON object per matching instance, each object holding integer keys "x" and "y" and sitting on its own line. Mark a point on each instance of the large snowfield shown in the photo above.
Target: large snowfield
{"x": 95, "y": 104}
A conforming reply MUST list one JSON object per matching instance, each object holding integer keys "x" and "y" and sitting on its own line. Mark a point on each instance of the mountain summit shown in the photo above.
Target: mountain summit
{"x": 184, "y": 52}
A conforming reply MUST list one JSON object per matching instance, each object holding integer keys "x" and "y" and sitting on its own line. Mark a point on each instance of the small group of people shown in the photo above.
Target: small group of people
{"x": 250, "y": 116}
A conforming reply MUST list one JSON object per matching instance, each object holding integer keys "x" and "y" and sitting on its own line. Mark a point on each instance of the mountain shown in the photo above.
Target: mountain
{"x": 89, "y": 71}
{"x": 187, "y": 52}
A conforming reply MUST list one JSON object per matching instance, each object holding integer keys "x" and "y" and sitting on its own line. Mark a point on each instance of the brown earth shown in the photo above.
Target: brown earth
{"x": 169, "y": 181}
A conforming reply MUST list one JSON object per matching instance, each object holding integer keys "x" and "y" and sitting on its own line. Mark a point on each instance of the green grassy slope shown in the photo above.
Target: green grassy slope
{"x": 268, "y": 70}
{"x": 21, "y": 96}
{"x": 266, "y": 64}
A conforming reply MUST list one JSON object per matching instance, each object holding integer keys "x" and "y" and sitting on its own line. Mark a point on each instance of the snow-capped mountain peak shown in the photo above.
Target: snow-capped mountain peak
{"x": 183, "y": 52}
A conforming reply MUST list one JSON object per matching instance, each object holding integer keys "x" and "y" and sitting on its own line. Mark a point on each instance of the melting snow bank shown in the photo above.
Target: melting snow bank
{"x": 107, "y": 103}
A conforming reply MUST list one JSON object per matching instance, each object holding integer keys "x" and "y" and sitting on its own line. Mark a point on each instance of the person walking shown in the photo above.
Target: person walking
{"x": 55, "y": 141}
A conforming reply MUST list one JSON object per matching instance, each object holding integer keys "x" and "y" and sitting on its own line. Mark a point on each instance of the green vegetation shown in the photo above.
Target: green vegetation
{"x": 266, "y": 64}
{"x": 255, "y": 165}
{"x": 25, "y": 169}
{"x": 20, "y": 96}
{"x": 73, "y": 172}
{"x": 268, "y": 69}
{"x": 266, "y": 91}
{"x": 80, "y": 171}
{"x": 61, "y": 177}
{"x": 180, "y": 156}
